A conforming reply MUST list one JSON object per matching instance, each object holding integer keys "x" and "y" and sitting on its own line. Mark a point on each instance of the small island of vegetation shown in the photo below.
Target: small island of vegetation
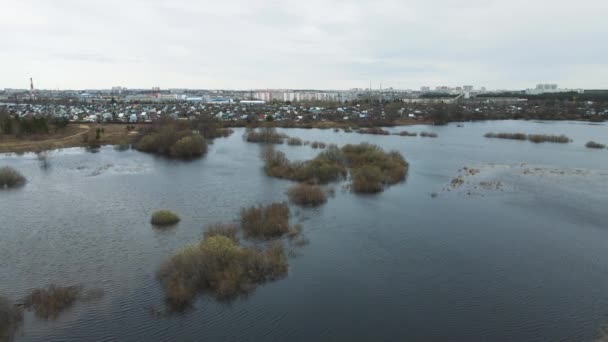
{"x": 535, "y": 138}
{"x": 371, "y": 168}
{"x": 221, "y": 267}
{"x": 596, "y": 145}
{"x": 163, "y": 218}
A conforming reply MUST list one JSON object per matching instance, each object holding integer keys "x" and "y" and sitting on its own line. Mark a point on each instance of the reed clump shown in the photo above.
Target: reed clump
{"x": 541, "y": 138}
{"x": 513, "y": 136}
{"x": 222, "y": 229}
{"x": 318, "y": 144}
{"x": 407, "y": 134}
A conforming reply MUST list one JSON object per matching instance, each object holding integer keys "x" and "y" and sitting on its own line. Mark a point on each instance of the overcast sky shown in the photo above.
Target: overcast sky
{"x": 322, "y": 44}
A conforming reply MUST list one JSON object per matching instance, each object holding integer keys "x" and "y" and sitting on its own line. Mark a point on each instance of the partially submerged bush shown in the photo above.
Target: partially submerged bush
{"x": 367, "y": 179}
{"x": 540, "y": 138}
{"x": 593, "y": 144}
{"x": 321, "y": 169}
{"x": 307, "y": 195}
{"x": 266, "y": 135}
{"x": 10, "y": 178}
{"x": 318, "y": 144}
{"x": 222, "y": 229}
{"x": 514, "y": 136}
{"x": 51, "y": 301}
{"x": 11, "y": 318}
{"x": 374, "y": 130}
{"x": 372, "y": 169}
{"x": 265, "y": 222}
{"x": 164, "y": 218}
{"x": 294, "y": 141}
{"x": 332, "y": 164}
{"x": 428, "y": 135}
{"x": 220, "y": 267}
{"x": 535, "y": 138}
{"x": 408, "y": 134}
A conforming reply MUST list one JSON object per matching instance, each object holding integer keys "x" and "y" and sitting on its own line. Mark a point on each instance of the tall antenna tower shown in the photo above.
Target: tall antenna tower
{"x": 31, "y": 88}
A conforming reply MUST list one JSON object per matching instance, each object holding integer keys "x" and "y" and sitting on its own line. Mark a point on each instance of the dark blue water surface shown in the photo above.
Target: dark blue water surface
{"x": 526, "y": 262}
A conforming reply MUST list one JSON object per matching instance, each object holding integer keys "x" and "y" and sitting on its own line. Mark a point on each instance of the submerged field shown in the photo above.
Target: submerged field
{"x": 426, "y": 259}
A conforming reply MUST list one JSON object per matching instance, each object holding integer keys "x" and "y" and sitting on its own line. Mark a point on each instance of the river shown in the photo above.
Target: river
{"x": 519, "y": 252}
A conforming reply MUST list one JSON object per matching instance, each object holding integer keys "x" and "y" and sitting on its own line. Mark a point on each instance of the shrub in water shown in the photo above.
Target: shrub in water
{"x": 593, "y": 144}
{"x": 367, "y": 179}
{"x": 294, "y": 141}
{"x": 307, "y": 195}
{"x": 265, "y": 222}
{"x": 189, "y": 147}
{"x": 540, "y": 138}
{"x": 10, "y": 178}
{"x": 514, "y": 136}
{"x": 374, "y": 130}
{"x": 407, "y": 134}
{"x": 221, "y": 229}
{"x": 164, "y": 218}
{"x": 428, "y": 135}
{"x": 220, "y": 266}
{"x": 266, "y": 135}
{"x": 50, "y": 302}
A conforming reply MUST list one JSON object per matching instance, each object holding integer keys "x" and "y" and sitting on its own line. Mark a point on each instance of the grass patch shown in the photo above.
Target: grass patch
{"x": 593, "y": 144}
{"x": 265, "y": 222}
{"x": 220, "y": 267}
{"x": 10, "y": 178}
{"x": 164, "y": 218}
{"x": 51, "y": 301}
{"x": 428, "y": 135}
{"x": 374, "y": 130}
{"x": 307, "y": 195}
{"x": 11, "y": 318}
{"x": 294, "y": 141}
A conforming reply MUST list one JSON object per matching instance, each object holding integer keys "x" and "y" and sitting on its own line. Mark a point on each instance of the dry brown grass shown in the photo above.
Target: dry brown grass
{"x": 307, "y": 195}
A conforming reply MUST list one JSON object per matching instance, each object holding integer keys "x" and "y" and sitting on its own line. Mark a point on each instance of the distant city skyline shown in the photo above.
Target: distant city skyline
{"x": 316, "y": 44}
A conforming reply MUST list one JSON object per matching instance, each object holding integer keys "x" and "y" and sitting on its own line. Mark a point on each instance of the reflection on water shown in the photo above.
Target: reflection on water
{"x": 524, "y": 261}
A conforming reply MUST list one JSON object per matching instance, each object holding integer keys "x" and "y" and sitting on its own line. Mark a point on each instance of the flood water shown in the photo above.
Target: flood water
{"x": 525, "y": 262}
